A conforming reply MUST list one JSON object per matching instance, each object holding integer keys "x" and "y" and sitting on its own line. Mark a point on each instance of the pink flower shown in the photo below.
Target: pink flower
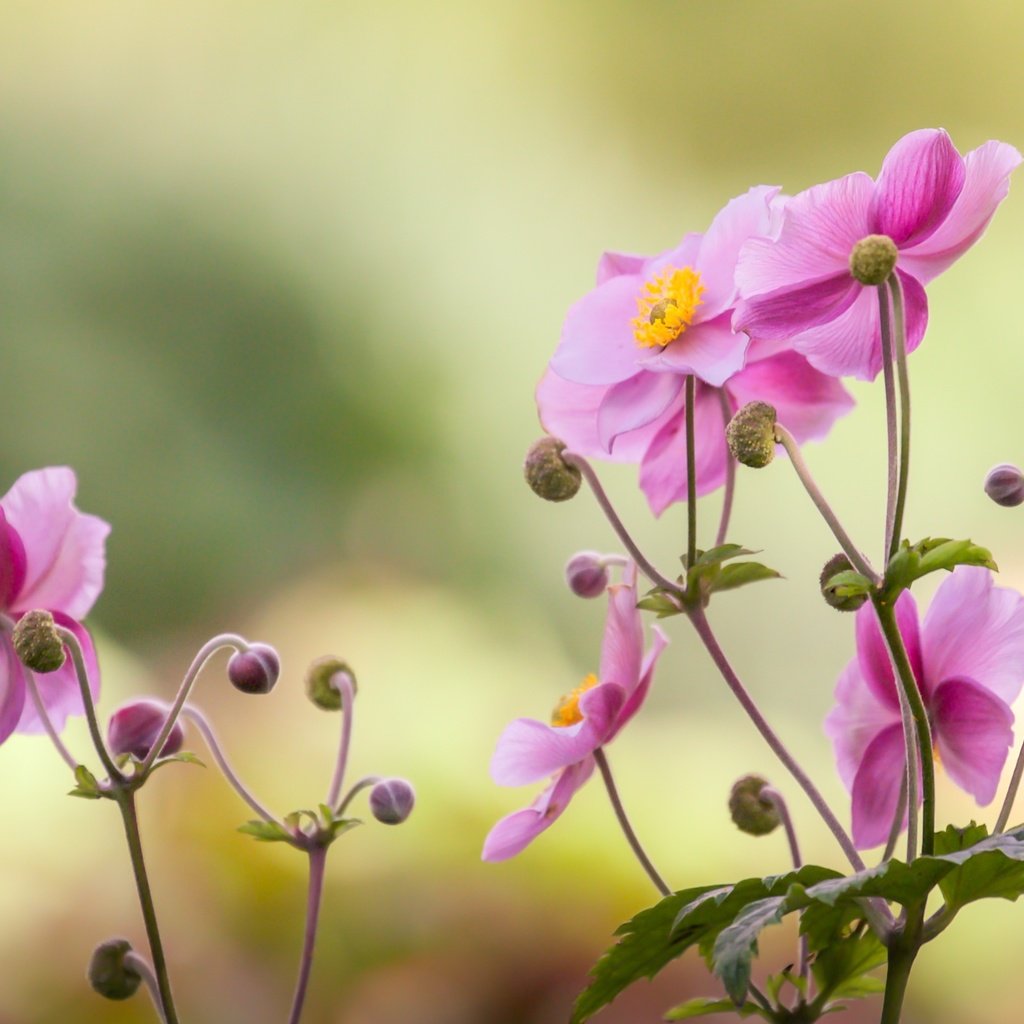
{"x": 589, "y": 717}
{"x": 808, "y": 403}
{"x": 51, "y": 557}
{"x": 931, "y": 202}
{"x": 968, "y": 659}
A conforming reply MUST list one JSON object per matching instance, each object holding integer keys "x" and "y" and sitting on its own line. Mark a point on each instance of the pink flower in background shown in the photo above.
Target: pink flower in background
{"x": 808, "y": 403}
{"x": 931, "y": 202}
{"x": 588, "y": 718}
{"x": 968, "y": 659}
{"x": 51, "y": 557}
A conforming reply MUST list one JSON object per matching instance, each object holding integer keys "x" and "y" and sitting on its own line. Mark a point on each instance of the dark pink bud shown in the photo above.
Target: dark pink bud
{"x": 133, "y": 729}
{"x": 391, "y": 801}
{"x": 1005, "y": 485}
{"x": 254, "y": 670}
{"x": 586, "y": 574}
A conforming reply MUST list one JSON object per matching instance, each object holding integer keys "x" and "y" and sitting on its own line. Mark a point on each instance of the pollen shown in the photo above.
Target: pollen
{"x": 567, "y": 710}
{"x": 666, "y": 307}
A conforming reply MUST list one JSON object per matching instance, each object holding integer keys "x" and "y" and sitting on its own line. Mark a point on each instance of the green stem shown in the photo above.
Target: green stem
{"x": 903, "y": 951}
{"x": 892, "y": 462}
{"x": 900, "y": 350}
{"x": 126, "y": 802}
{"x": 730, "y": 471}
{"x": 691, "y": 472}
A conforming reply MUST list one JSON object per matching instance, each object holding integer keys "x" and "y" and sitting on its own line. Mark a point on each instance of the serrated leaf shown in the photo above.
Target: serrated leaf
{"x": 736, "y": 944}
{"x": 912, "y": 561}
{"x": 739, "y": 574}
{"x": 661, "y": 604}
{"x": 706, "y": 1007}
{"x": 841, "y": 969}
{"x": 265, "y": 831}
{"x": 184, "y": 757}
{"x": 722, "y": 553}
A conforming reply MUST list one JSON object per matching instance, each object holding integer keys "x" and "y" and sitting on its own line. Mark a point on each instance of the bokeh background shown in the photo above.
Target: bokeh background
{"x": 278, "y": 281}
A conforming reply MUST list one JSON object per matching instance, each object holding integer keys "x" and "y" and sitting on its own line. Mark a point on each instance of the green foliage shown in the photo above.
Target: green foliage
{"x": 844, "y": 585}
{"x": 322, "y": 827}
{"x": 706, "y": 1007}
{"x": 86, "y": 786}
{"x": 912, "y": 561}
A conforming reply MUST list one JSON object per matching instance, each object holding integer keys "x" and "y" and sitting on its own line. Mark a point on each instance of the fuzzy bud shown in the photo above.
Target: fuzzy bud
{"x": 133, "y": 729}
{"x": 752, "y": 813}
{"x": 873, "y": 258}
{"x": 586, "y": 574}
{"x": 1005, "y": 485}
{"x": 108, "y": 973}
{"x": 254, "y": 670}
{"x": 751, "y": 435}
{"x": 844, "y": 603}
{"x": 391, "y": 801}
{"x": 37, "y": 643}
{"x": 548, "y": 474}
{"x": 320, "y": 686}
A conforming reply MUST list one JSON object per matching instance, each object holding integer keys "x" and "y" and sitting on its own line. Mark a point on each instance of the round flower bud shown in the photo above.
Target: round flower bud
{"x": 320, "y": 686}
{"x": 391, "y": 801}
{"x": 751, "y": 812}
{"x": 1005, "y": 485}
{"x": 751, "y": 435}
{"x": 109, "y": 974}
{"x": 872, "y": 259}
{"x": 36, "y": 642}
{"x": 586, "y": 574}
{"x": 254, "y": 670}
{"x": 849, "y": 603}
{"x": 548, "y": 474}
{"x": 133, "y": 729}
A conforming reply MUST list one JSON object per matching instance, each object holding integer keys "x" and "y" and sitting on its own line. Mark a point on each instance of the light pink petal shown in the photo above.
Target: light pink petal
{"x": 713, "y": 351}
{"x": 848, "y": 346}
{"x": 741, "y": 219}
{"x": 529, "y": 750}
{"x": 598, "y": 345}
{"x": 516, "y": 831}
{"x": 975, "y": 629}
{"x": 13, "y": 563}
{"x": 973, "y": 732}
{"x": 876, "y": 788}
{"x": 64, "y": 548}
{"x": 664, "y": 467}
{"x": 59, "y": 690}
{"x": 12, "y": 687}
{"x": 635, "y": 403}
{"x": 921, "y": 177}
{"x": 873, "y": 654}
{"x": 683, "y": 255}
{"x": 636, "y": 699}
{"x": 788, "y": 312}
{"x": 987, "y": 181}
{"x": 622, "y": 646}
{"x": 807, "y": 402}
{"x": 616, "y": 264}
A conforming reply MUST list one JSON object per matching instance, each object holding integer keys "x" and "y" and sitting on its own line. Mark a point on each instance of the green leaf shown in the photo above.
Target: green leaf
{"x": 736, "y": 944}
{"x": 86, "y": 785}
{"x": 706, "y": 1007}
{"x": 339, "y": 826}
{"x": 661, "y": 603}
{"x": 841, "y": 968}
{"x": 266, "y": 831}
{"x": 912, "y": 561}
{"x": 739, "y": 574}
{"x": 847, "y": 583}
{"x": 991, "y": 866}
{"x": 715, "y": 556}
{"x": 184, "y": 757}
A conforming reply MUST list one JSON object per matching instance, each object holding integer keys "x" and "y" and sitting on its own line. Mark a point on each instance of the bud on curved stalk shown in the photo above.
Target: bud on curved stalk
{"x": 109, "y": 974}
{"x": 1004, "y": 484}
{"x": 872, "y": 259}
{"x": 841, "y": 602}
{"x": 320, "y": 686}
{"x": 134, "y": 728}
{"x": 548, "y": 474}
{"x": 392, "y": 800}
{"x": 587, "y": 574}
{"x": 255, "y": 669}
{"x": 37, "y": 643}
{"x": 751, "y": 435}
{"x": 751, "y": 812}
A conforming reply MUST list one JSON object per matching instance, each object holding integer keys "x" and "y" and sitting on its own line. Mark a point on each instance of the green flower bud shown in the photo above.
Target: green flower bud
{"x": 844, "y": 603}
{"x": 320, "y": 687}
{"x": 36, "y": 642}
{"x": 751, "y": 812}
{"x": 109, "y": 974}
{"x": 872, "y": 259}
{"x": 751, "y": 435}
{"x": 548, "y": 474}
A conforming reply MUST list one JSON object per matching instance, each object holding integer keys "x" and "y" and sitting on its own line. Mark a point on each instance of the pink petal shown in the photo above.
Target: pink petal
{"x": 616, "y": 264}
{"x": 64, "y": 549}
{"x": 876, "y": 788}
{"x": 516, "y": 831}
{"x": 787, "y": 312}
{"x": 973, "y": 732}
{"x": 529, "y": 750}
{"x": 849, "y": 345}
{"x": 12, "y": 562}
{"x": 975, "y": 630}
{"x": 921, "y": 177}
{"x": 873, "y": 655}
{"x": 987, "y": 181}
{"x": 635, "y": 403}
{"x": 636, "y": 699}
{"x": 12, "y": 687}
{"x": 60, "y": 692}
{"x": 713, "y": 351}
{"x": 915, "y": 304}
{"x": 622, "y": 646}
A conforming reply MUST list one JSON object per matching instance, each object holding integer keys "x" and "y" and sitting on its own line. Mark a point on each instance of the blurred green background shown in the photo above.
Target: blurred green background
{"x": 278, "y": 281}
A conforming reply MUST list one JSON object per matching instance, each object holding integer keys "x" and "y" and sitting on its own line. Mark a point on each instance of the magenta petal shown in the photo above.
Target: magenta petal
{"x": 623, "y": 643}
{"x": 873, "y": 655}
{"x": 848, "y": 346}
{"x": 635, "y": 403}
{"x": 921, "y": 177}
{"x": 616, "y": 264}
{"x": 64, "y": 548}
{"x": 713, "y": 351}
{"x": 876, "y": 788}
{"x": 13, "y": 563}
{"x": 12, "y": 687}
{"x": 636, "y": 699}
{"x": 973, "y": 732}
{"x": 789, "y": 311}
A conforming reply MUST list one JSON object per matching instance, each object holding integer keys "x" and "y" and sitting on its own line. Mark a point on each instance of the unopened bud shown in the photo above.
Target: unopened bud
{"x": 841, "y": 602}
{"x": 321, "y": 688}
{"x": 548, "y": 474}
{"x": 109, "y": 974}
{"x": 391, "y": 801}
{"x": 1005, "y": 485}
{"x": 751, "y": 435}
{"x": 586, "y": 574}
{"x": 752, "y": 813}
{"x": 134, "y": 728}
{"x": 872, "y": 259}
{"x": 254, "y": 670}
{"x": 37, "y": 643}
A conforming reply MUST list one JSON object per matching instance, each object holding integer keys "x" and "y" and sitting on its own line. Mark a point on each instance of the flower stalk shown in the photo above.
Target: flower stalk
{"x": 317, "y": 862}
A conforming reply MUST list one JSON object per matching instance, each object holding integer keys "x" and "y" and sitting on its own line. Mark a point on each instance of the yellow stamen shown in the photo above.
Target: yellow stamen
{"x": 666, "y": 306}
{"x": 567, "y": 710}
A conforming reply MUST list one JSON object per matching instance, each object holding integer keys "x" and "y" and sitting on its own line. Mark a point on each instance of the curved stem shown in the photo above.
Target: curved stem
{"x": 897, "y": 821}
{"x": 317, "y": 861}
{"x": 857, "y": 560}
{"x": 141, "y": 967}
{"x": 691, "y": 472}
{"x": 344, "y": 683}
{"x": 900, "y": 348}
{"x": 892, "y": 462}
{"x": 1011, "y": 794}
{"x": 572, "y": 459}
{"x": 364, "y": 783}
{"x": 627, "y": 829}
{"x": 730, "y": 472}
{"x": 44, "y": 716}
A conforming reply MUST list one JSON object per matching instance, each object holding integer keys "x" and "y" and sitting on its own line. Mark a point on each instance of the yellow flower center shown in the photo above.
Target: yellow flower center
{"x": 567, "y": 710}
{"x": 666, "y": 307}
